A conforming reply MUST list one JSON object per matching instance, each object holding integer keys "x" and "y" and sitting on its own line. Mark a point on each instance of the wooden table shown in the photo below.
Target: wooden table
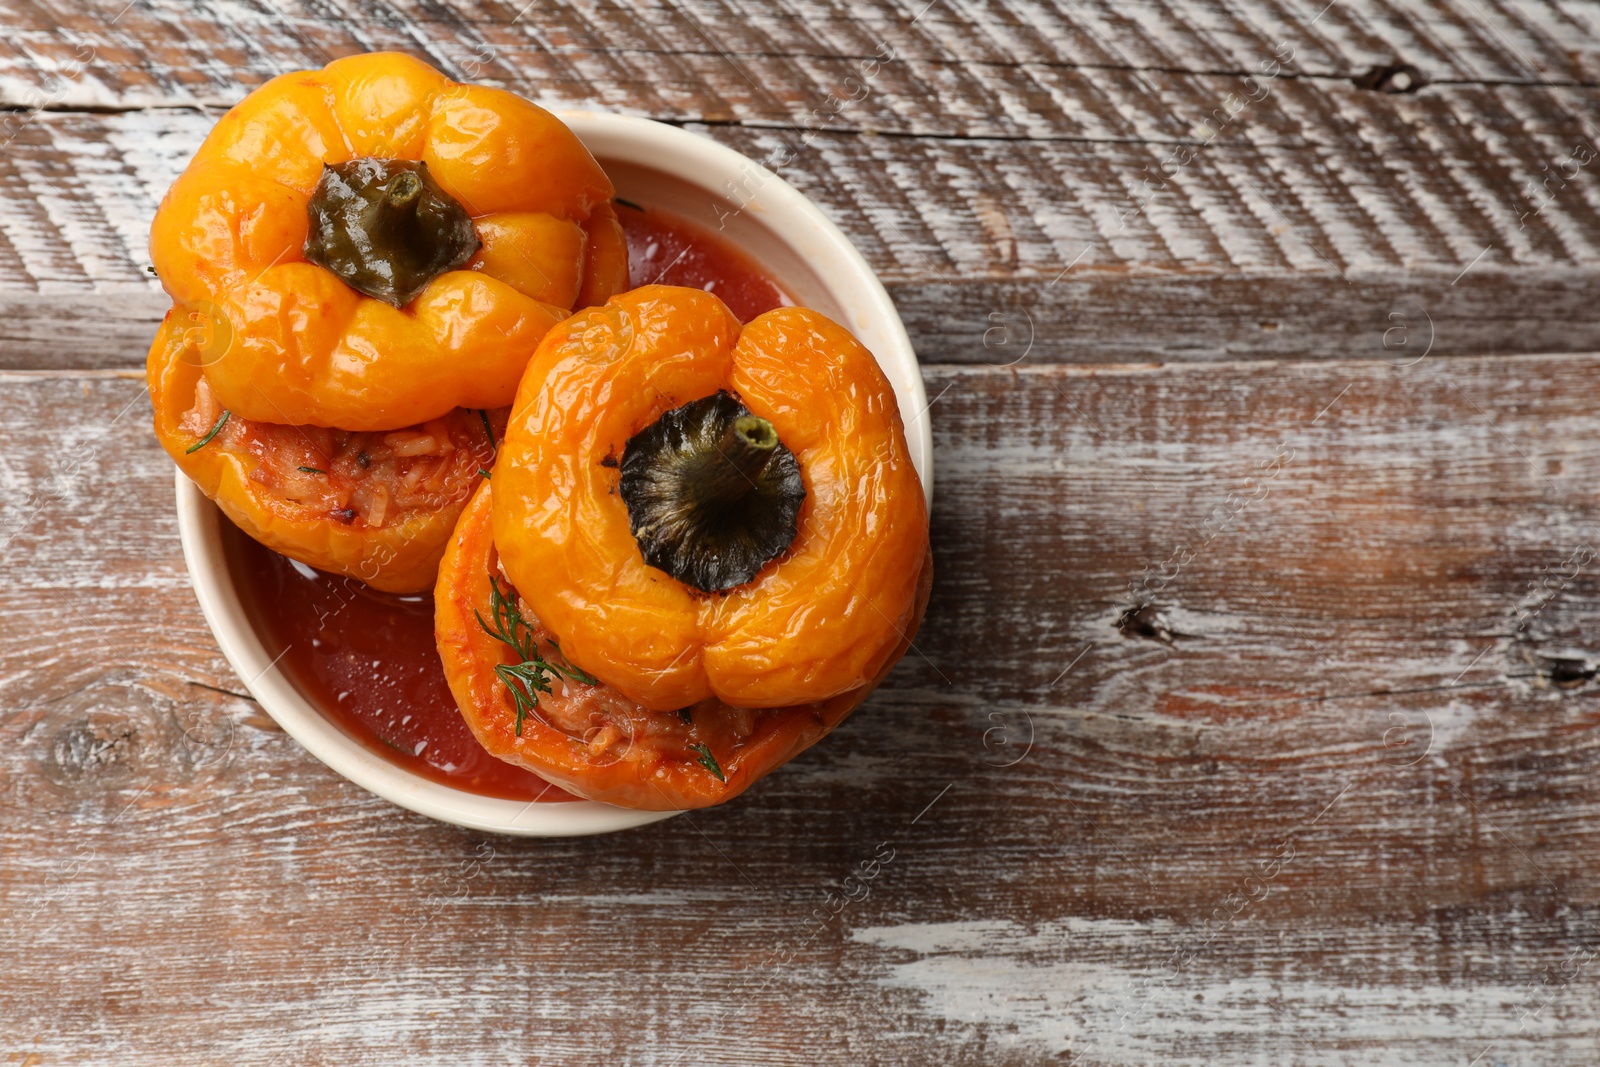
{"x": 1254, "y": 720}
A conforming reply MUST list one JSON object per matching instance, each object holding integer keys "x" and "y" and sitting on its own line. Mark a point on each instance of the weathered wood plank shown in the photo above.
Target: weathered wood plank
{"x": 1352, "y": 663}
{"x": 162, "y": 49}
{"x": 1330, "y": 798}
{"x": 1026, "y": 140}
{"x": 1248, "y": 254}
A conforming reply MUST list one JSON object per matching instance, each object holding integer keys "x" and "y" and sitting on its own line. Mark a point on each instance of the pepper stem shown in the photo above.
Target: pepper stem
{"x": 746, "y": 447}
{"x": 395, "y": 212}
{"x": 386, "y": 229}
{"x": 712, "y": 494}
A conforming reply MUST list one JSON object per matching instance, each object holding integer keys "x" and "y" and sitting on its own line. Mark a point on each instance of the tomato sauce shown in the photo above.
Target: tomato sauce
{"x": 664, "y": 249}
{"x": 367, "y": 659}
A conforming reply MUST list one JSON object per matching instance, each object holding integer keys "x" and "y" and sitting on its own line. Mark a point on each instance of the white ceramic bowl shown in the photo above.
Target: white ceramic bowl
{"x": 659, "y": 166}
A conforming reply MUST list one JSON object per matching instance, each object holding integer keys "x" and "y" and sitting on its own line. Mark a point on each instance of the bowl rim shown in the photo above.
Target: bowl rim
{"x": 869, "y": 314}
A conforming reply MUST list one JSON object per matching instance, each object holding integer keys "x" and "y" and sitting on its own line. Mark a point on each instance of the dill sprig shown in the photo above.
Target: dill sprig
{"x": 525, "y": 680}
{"x": 206, "y": 440}
{"x": 484, "y": 415}
{"x": 509, "y": 625}
{"x": 708, "y": 761}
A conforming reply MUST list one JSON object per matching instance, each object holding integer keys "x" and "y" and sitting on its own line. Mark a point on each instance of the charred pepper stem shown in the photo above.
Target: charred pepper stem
{"x": 712, "y": 494}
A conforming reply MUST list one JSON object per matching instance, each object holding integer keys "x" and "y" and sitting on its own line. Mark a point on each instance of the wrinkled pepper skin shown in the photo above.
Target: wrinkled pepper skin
{"x": 656, "y": 769}
{"x": 401, "y": 557}
{"x": 821, "y": 620}
{"x": 302, "y": 347}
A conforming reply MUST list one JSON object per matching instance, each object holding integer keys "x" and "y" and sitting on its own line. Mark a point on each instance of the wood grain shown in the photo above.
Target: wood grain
{"x": 161, "y": 47}
{"x": 1107, "y": 211}
{"x": 1351, "y": 638}
{"x": 1254, "y": 718}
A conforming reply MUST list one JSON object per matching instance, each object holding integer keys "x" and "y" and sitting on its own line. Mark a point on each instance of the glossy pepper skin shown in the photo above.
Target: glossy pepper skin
{"x": 658, "y": 767}
{"x": 400, "y": 557}
{"x": 820, "y": 620}
{"x": 304, "y": 348}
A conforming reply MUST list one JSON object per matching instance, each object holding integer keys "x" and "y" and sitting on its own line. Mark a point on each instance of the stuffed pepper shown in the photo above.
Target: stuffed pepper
{"x": 362, "y": 260}
{"x": 703, "y": 545}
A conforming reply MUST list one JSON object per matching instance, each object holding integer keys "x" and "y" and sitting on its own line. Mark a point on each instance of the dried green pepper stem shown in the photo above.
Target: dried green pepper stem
{"x": 386, "y": 228}
{"x": 396, "y": 210}
{"x": 712, "y": 494}
{"x": 728, "y": 474}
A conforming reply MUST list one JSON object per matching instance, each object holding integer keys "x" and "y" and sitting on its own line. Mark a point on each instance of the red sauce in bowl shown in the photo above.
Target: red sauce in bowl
{"x": 664, "y": 249}
{"x": 367, "y": 659}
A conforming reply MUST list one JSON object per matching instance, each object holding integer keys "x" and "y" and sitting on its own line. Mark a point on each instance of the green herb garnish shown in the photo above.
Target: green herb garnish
{"x": 683, "y": 713}
{"x": 626, "y": 203}
{"x": 708, "y": 761}
{"x": 483, "y": 472}
{"x": 311, "y": 470}
{"x": 484, "y": 415}
{"x": 525, "y": 680}
{"x": 206, "y": 440}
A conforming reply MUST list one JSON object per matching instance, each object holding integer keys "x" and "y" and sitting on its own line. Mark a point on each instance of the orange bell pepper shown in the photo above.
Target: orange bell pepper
{"x": 825, "y": 611}
{"x": 592, "y": 740}
{"x": 299, "y": 345}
